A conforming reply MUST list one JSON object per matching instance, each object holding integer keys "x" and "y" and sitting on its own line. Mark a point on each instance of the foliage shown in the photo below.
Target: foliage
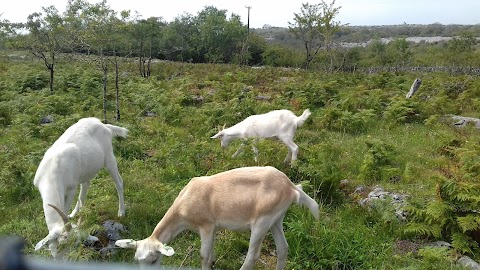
{"x": 402, "y": 111}
{"x": 315, "y": 27}
{"x": 453, "y": 215}
{"x": 346, "y": 137}
{"x": 378, "y": 163}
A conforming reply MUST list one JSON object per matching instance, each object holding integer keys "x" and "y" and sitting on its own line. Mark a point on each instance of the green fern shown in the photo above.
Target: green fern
{"x": 463, "y": 243}
{"x": 469, "y": 223}
{"x": 423, "y": 229}
{"x": 454, "y": 215}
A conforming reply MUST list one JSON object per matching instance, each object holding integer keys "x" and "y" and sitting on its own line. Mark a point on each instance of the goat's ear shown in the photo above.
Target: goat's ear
{"x": 126, "y": 243}
{"x": 45, "y": 241}
{"x": 165, "y": 250}
{"x": 218, "y": 135}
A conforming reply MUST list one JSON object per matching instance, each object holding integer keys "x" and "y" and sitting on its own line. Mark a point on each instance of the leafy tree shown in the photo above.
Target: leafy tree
{"x": 178, "y": 38}
{"x": 256, "y": 47}
{"x": 218, "y": 38}
{"x": 398, "y": 52}
{"x": 146, "y": 35}
{"x": 315, "y": 27}
{"x": 97, "y": 29}
{"x": 280, "y": 56}
{"x": 461, "y": 48}
{"x": 377, "y": 53}
{"x": 44, "y": 38}
{"x": 349, "y": 59}
{"x": 8, "y": 29}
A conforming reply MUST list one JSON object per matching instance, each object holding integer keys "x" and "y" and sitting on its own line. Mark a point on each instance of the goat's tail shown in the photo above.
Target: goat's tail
{"x": 304, "y": 199}
{"x": 302, "y": 118}
{"x": 118, "y": 131}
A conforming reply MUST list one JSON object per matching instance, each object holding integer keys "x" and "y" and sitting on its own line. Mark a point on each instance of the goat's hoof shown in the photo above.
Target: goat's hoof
{"x": 292, "y": 164}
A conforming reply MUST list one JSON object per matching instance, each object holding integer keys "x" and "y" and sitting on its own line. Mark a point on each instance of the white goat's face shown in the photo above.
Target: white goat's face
{"x": 224, "y": 138}
{"x": 148, "y": 251}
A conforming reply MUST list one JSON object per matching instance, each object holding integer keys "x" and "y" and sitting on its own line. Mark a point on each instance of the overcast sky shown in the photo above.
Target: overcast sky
{"x": 280, "y": 12}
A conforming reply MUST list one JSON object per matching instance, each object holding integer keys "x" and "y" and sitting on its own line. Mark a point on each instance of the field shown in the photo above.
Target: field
{"x": 362, "y": 129}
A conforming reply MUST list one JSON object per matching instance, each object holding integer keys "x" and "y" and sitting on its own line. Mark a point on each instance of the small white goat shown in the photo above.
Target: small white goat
{"x": 254, "y": 198}
{"x": 73, "y": 160}
{"x": 278, "y": 124}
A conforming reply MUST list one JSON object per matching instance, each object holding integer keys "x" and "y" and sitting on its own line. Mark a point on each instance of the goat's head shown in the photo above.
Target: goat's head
{"x": 225, "y": 139}
{"x": 59, "y": 234}
{"x": 147, "y": 251}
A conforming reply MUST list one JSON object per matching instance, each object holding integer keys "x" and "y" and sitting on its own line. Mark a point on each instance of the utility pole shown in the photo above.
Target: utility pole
{"x": 248, "y": 18}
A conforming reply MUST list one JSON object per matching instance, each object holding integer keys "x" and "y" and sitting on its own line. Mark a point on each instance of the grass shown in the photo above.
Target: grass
{"x": 163, "y": 152}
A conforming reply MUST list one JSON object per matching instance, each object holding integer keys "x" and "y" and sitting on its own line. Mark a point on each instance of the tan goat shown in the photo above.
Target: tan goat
{"x": 254, "y": 198}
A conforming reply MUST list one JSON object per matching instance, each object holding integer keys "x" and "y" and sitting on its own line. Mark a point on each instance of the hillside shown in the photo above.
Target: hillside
{"x": 361, "y": 35}
{"x": 362, "y": 129}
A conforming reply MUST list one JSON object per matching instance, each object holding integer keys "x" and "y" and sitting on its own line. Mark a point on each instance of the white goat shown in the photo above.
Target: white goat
{"x": 73, "y": 160}
{"x": 278, "y": 124}
{"x": 254, "y": 198}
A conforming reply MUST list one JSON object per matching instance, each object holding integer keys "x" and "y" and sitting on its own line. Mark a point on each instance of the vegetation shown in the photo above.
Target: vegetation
{"x": 314, "y": 40}
{"x": 361, "y": 129}
{"x": 174, "y": 83}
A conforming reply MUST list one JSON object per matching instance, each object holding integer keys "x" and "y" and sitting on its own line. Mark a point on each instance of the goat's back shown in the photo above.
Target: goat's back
{"x": 270, "y": 124}
{"x": 85, "y": 131}
{"x": 79, "y": 152}
{"x": 236, "y": 198}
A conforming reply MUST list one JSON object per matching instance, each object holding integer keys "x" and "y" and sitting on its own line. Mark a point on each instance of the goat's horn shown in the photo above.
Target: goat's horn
{"x": 68, "y": 226}
{"x": 79, "y": 222}
{"x": 224, "y": 126}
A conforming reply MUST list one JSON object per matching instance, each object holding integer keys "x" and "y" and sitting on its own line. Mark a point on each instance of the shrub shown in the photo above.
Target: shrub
{"x": 336, "y": 119}
{"x": 453, "y": 216}
{"x": 378, "y": 163}
{"x": 29, "y": 82}
{"x": 5, "y": 115}
{"x": 315, "y": 94}
{"x": 321, "y": 175}
{"x": 401, "y": 111}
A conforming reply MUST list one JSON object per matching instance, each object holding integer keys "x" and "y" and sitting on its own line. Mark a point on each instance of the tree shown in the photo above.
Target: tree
{"x": 178, "y": 39}
{"x": 256, "y": 47}
{"x": 398, "y": 52}
{"x": 461, "y": 48}
{"x": 147, "y": 34}
{"x": 377, "y": 53}
{"x": 8, "y": 29}
{"x": 44, "y": 38}
{"x": 219, "y": 39}
{"x": 96, "y": 28}
{"x": 315, "y": 27}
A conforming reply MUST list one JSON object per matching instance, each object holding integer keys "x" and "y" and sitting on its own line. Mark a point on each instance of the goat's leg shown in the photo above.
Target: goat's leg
{"x": 292, "y": 149}
{"x": 259, "y": 230}
{"x": 81, "y": 199}
{"x": 111, "y": 165}
{"x": 239, "y": 150}
{"x": 207, "y": 236}
{"x": 255, "y": 149}
{"x": 280, "y": 243}
{"x": 53, "y": 246}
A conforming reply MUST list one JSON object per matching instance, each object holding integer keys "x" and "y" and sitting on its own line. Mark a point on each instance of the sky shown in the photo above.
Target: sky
{"x": 279, "y": 13}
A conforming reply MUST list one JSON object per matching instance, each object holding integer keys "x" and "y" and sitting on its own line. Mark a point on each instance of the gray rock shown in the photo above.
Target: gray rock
{"x": 440, "y": 244}
{"x": 467, "y": 262}
{"x": 46, "y": 120}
